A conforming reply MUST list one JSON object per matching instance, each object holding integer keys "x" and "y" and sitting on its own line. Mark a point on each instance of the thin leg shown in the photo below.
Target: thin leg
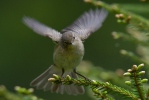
{"x": 80, "y": 75}
{"x": 62, "y": 72}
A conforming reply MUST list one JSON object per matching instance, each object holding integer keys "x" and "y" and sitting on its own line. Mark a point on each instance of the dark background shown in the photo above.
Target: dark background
{"x": 24, "y": 54}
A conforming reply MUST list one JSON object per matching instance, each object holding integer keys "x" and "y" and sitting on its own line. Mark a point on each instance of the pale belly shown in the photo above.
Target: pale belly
{"x": 68, "y": 59}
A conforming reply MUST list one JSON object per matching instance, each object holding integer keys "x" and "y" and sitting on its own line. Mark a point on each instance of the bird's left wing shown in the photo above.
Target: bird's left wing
{"x": 88, "y": 23}
{"x": 42, "y": 29}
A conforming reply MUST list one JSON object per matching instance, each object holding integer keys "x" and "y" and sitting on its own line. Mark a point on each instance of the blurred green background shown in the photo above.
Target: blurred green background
{"x": 24, "y": 54}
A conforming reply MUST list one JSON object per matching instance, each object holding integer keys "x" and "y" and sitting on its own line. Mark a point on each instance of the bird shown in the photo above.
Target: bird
{"x": 69, "y": 50}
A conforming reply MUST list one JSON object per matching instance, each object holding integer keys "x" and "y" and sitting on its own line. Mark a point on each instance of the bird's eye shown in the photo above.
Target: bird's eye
{"x": 74, "y": 37}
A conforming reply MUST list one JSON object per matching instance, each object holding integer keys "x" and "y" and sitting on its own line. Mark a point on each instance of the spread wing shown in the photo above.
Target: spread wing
{"x": 42, "y": 29}
{"x": 88, "y": 23}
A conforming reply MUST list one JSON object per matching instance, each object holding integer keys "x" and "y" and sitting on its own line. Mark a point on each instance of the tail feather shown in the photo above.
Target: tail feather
{"x": 80, "y": 89}
{"x": 41, "y": 82}
{"x": 67, "y": 89}
{"x": 74, "y": 90}
{"x": 47, "y": 86}
{"x": 40, "y": 78}
{"x": 54, "y": 87}
{"x": 60, "y": 89}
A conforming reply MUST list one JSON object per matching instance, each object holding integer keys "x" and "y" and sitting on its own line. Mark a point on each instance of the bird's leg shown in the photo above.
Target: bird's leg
{"x": 62, "y": 72}
{"x": 81, "y": 75}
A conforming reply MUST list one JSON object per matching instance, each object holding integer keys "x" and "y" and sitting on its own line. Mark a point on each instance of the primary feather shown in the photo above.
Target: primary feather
{"x": 88, "y": 23}
{"x": 42, "y": 29}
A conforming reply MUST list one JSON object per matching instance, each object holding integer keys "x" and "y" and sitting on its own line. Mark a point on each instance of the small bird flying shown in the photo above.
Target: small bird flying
{"x": 69, "y": 51}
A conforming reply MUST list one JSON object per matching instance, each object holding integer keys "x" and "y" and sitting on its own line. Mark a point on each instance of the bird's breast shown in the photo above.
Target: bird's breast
{"x": 68, "y": 58}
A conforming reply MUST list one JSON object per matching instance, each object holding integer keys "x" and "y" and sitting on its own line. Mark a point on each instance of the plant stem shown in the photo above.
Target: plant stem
{"x": 138, "y": 86}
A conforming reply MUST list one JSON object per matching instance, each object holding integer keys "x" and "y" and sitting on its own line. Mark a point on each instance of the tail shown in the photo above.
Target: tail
{"x": 41, "y": 82}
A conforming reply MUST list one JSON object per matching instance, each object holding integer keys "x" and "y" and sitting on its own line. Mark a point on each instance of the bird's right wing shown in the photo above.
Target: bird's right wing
{"x": 42, "y": 29}
{"x": 88, "y": 23}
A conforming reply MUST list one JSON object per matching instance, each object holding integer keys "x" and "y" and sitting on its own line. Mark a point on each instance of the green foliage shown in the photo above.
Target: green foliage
{"x": 122, "y": 15}
{"x": 136, "y": 82}
{"x": 101, "y": 90}
{"x": 22, "y": 94}
{"x": 137, "y": 28}
{"x": 106, "y": 90}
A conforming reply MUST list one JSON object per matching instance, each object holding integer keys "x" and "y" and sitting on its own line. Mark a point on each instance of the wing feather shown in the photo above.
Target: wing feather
{"x": 88, "y": 23}
{"x": 42, "y": 29}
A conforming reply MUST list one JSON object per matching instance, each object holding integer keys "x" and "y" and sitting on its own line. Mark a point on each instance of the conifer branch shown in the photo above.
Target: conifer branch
{"x": 131, "y": 55}
{"x": 129, "y": 38}
{"x": 100, "y": 89}
{"x": 122, "y": 15}
{"x": 22, "y": 94}
{"x": 136, "y": 82}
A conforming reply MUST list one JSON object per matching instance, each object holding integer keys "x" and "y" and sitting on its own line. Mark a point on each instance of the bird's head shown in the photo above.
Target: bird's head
{"x": 68, "y": 38}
